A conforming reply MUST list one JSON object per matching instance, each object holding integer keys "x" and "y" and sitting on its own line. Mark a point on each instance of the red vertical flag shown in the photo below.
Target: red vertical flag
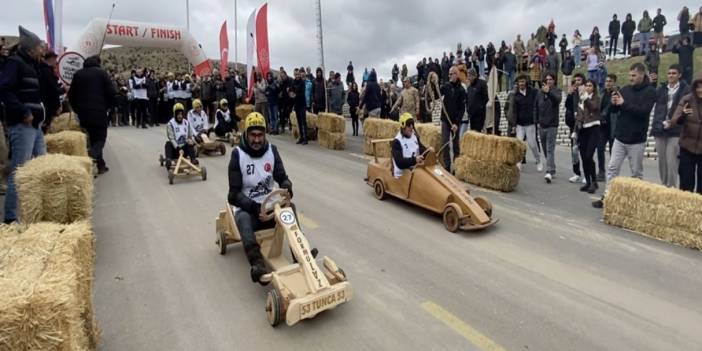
{"x": 262, "y": 53}
{"x": 223, "y": 49}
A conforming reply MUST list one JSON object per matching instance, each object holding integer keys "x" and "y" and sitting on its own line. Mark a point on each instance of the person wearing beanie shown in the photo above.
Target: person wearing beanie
{"x": 180, "y": 137}
{"x": 20, "y": 91}
{"x": 407, "y": 149}
{"x": 198, "y": 120}
{"x": 254, "y": 168}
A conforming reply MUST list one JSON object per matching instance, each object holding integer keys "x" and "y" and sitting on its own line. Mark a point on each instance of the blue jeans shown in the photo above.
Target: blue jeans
{"x": 273, "y": 117}
{"x": 25, "y": 142}
{"x": 481, "y": 68}
{"x": 576, "y": 56}
{"x": 510, "y": 80}
{"x": 594, "y": 75}
{"x": 644, "y": 38}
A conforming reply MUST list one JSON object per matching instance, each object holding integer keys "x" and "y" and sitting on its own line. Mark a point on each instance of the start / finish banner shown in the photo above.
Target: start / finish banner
{"x": 139, "y": 34}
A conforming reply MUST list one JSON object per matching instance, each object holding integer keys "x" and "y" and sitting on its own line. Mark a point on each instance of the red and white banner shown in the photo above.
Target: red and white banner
{"x": 223, "y": 49}
{"x": 264, "y": 64}
{"x": 250, "y": 49}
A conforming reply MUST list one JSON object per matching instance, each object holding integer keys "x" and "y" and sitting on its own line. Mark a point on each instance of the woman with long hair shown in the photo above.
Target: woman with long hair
{"x": 353, "y": 99}
{"x": 432, "y": 97}
{"x": 577, "y": 42}
{"x": 588, "y": 128}
{"x": 595, "y": 38}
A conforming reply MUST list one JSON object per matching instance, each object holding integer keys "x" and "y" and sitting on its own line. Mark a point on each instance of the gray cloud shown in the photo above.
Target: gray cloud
{"x": 370, "y": 33}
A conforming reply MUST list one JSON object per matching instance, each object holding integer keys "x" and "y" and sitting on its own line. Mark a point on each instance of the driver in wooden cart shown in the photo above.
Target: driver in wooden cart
{"x": 180, "y": 137}
{"x": 407, "y": 150}
{"x": 254, "y": 167}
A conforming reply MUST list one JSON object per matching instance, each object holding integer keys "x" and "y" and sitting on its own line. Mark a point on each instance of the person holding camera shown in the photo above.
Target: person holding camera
{"x": 688, "y": 114}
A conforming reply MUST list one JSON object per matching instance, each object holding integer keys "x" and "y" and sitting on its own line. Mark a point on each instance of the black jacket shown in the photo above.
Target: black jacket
{"x": 238, "y": 198}
{"x": 371, "y": 95}
{"x": 20, "y": 89}
{"x": 546, "y": 108}
{"x": 632, "y": 122}
{"x": 402, "y": 162}
{"x": 568, "y": 66}
{"x": 318, "y": 93}
{"x": 298, "y": 88}
{"x": 50, "y": 91}
{"x": 509, "y": 62}
{"x": 230, "y": 86}
{"x": 658, "y": 23}
{"x": 628, "y": 28}
{"x": 353, "y": 98}
{"x": 662, "y": 113}
{"x": 614, "y": 28}
{"x": 571, "y": 105}
{"x": 454, "y": 101}
{"x": 522, "y": 108}
{"x": 476, "y": 99}
{"x": 685, "y": 53}
{"x": 91, "y": 94}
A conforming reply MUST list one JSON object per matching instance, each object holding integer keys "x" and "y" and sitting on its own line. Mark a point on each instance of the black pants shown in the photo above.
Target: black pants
{"x": 477, "y": 122}
{"x": 248, "y": 224}
{"x": 576, "y": 165}
{"x": 627, "y": 45}
{"x": 173, "y": 153}
{"x": 445, "y": 138}
{"x": 353, "y": 110}
{"x": 301, "y": 114}
{"x": 153, "y": 111}
{"x": 601, "y": 146}
{"x": 141, "y": 114}
{"x": 222, "y": 129}
{"x": 317, "y": 108}
{"x": 589, "y": 138}
{"x": 613, "y": 45}
{"x": 284, "y": 116}
{"x": 690, "y": 170}
{"x": 98, "y": 137}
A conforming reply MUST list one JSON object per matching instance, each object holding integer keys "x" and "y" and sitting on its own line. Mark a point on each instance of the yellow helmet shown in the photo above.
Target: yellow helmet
{"x": 178, "y": 106}
{"x": 197, "y": 103}
{"x": 255, "y": 120}
{"x": 406, "y": 118}
{"x": 223, "y": 102}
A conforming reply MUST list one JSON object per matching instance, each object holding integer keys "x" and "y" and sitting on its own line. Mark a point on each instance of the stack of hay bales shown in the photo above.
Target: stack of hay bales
{"x": 429, "y": 134}
{"x": 490, "y": 161}
{"x": 331, "y": 129}
{"x": 55, "y": 188}
{"x": 654, "y": 210}
{"x": 375, "y": 128}
{"x": 241, "y": 112}
{"x": 46, "y": 273}
{"x": 67, "y": 142}
{"x": 311, "y": 126}
{"x": 65, "y": 121}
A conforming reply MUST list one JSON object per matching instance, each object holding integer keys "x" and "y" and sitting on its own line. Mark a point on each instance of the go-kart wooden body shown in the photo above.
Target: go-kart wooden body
{"x": 300, "y": 289}
{"x": 183, "y": 168}
{"x": 210, "y": 147}
{"x": 432, "y": 187}
{"x": 232, "y": 138}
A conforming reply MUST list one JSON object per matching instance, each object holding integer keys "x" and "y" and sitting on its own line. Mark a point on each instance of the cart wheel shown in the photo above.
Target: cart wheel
{"x": 484, "y": 204}
{"x": 273, "y": 307}
{"x": 223, "y": 149}
{"x": 222, "y": 243}
{"x": 379, "y": 189}
{"x": 204, "y": 173}
{"x": 171, "y": 176}
{"x": 161, "y": 160}
{"x": 451, "y": 220}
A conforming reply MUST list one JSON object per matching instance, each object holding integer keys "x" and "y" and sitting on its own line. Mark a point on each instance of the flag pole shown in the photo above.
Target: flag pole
{"x": 236, "y": 37}
{"x": 109, "y": 19}
{"x": 187, "y": 14}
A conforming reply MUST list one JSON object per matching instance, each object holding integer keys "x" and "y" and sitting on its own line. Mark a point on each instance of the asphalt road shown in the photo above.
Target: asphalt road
{"x": 549, "y": 276}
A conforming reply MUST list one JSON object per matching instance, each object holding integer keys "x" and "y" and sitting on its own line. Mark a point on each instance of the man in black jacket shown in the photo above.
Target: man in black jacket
{"x": 685, "y": 52}
{"x": 567, "y": 68}
{"x": 454, "y": 107}
{"x": 509, "y": 65}
{"x": 297, "y": 94}
{"x": 634, "y": 103}
{"x": 319, "y": 95}
{"x": 522, "y": 116}
{"x": 614, "y": 29}
{"x": 51, "y": 90}
{"x": 91, "y": 95}
{"x": 476, "y": 99}
{"x": 667, "y": 140}
{"x": 548, "y": 101}
{"x": 628, "y": 28}
{"x": 20, "y": 91}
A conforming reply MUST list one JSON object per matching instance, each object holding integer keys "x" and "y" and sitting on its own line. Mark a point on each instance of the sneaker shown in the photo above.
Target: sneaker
{"x": 597, "y": 204}
{"x": 548, "y": 178}
{"x": 103, "y": 170}
{"x": 299, "y": 141}
{"x": 258, "y": 270}
{"x": 585, "y": 187}
{"x": 540, "y": 167}
{"x": 592, "y": 188}
{"x": 304, "y": 142}
{"x": 575, "y": 179}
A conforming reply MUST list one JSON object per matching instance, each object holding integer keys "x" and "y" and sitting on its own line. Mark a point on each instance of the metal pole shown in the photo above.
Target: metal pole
{"x": 236, "y": 37}
{"x": 320, "y": 38}
{"x": 187, "y": 14}
{"x": 102, "y": 43}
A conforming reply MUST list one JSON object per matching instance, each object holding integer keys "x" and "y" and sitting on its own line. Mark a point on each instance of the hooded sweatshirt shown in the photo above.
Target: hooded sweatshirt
{"x": 691, "y": 134}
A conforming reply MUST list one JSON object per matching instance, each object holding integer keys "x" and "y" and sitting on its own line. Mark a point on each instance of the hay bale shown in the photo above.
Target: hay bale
{"x": 377, "y": 128}
{"x": 243, "y": 110}
{"x": 429, "y": 134}
{"x": 46, "y": 275}
{"x": 486, "y": 147}
{"x": 489, "y": 174}
{"x": 331, "y": 140}
{"x": 330, "y": 122}
{"x": 68, "y": 142}
{"x": 55, "y": 188}
{"x": 64, "y": 121}
{"x": 654, "y": 210}
{"x": 312, "y": 120}
{"x": 311, "y": 126}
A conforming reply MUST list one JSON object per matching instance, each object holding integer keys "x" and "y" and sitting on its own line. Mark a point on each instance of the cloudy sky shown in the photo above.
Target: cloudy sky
{"x": 372, "y": 33}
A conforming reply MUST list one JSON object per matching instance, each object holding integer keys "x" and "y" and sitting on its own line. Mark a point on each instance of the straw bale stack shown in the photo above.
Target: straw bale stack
{"x": 331, "y": 140}
{"x": 429, "y": 134}
{"x": 55, "y": 188}
{"x": 487, "y": 147}
{"x": 330, "y": 122}
{"x": 488, "y": 174}
{"x": 376, "y": 128}
{"x": 243, "y": 110}
{"x": 656, "y": 211}
{"x": 64, "y": 121}
{"x": 46, "y": 275}
{"x": 68, "y": 142}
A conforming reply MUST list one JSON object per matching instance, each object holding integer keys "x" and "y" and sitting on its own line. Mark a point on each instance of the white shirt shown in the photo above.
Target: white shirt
{"x": 257, "y": 174}
{"x": 140, "y": 93}
{"x": 198, "y": 122}
{"x": 410, "y": 148}
{"x": 672, "y": 90}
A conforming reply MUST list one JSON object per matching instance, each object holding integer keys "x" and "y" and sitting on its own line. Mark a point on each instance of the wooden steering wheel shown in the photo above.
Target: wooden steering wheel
{"x": 279, "y": 196}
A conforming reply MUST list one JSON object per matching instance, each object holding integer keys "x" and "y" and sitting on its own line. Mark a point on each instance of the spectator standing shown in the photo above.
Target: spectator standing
{"x": 653, "y": 59}
{"x": 518, "y": 46}
{"x": 577, "y": 48}
{"x": 476, "y": 101}
{"x": 51, "y": 90}
{"x": 260, "y": 99}
{"x": 152, "y": 92}
{"x": 551, "y": 35}
{"x": 408, "y": 102}
{"x": 454, "y": 101}
{"x": 571, "y": 105}
{"x": 563, "y": 45}
{"x": 645, "y": 26}
{"x": 353, "y": 99}
{"x": 587, "y": 126}
{"x": 349, "y": 74}
{"x": 689, "y": 115}
{"x": 668, "y": 98}
{"x": 552, "y": 62}
{"x": 685, "y": 51}
{"x": 684, "y": 22}
{"x": 547, "y": 103}
{"x": 522, "y": 116}
{"x": 309, "y": 84}
{"x": 697, "y": 27}
{"x": 481, "y": 60}
{"x": 91, "y": 95}
{"x": 208, "y": 96}
{"x": 272, "y": 93}
{"x": 608, "y": 120}
{"x": 509, "y": 65}
{"x": 567, "y": 68}
{"x": 365, "y": 76}
{"x": 371, "y": 96}
{"x": 137, "y": 85}
{"x": 298, "y": 95}
{"x": 535, "y": 69}
{"x": 532, "y": 44}
{"x": 614, "y": 29}
{"x": 593, "y": 64}
{"x": 396, "y": 71}
{"x": 403, "y": 73}
{"x": 319, "y": 103}
{"x": 634, "y": 103}
{"x": 628, "y": 28}
{"x": 285, "y": 103}
{"x": 336, "y": 95}
{"x": 659, "y": 23}
{"x": 595, "y": 38}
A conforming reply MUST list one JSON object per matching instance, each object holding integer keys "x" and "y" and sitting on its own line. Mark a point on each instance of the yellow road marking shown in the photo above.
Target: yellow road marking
{"x": 475, "y": 337}
{"x": 307, "y": 223}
